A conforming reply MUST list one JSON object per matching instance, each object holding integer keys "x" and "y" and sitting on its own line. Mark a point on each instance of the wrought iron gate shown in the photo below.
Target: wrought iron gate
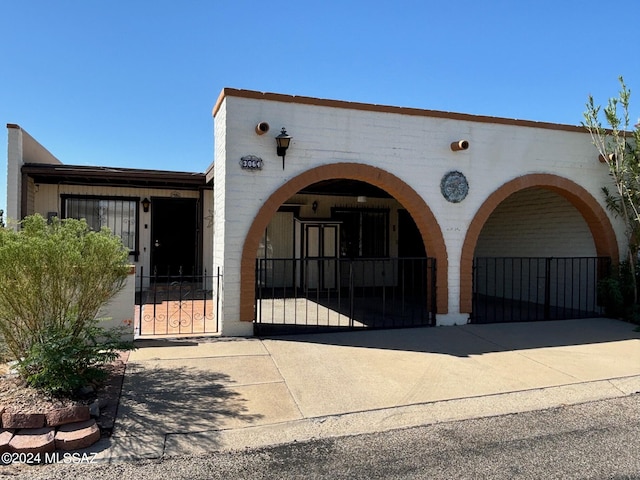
{"x": 512, "y": 289}
{"x": 328, "y": 293}
{"x": 174, "y": 305}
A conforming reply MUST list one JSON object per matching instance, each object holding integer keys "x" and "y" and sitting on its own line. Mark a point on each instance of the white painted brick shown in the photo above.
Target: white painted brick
{"x": 415, "y": 149}
{"x": 515, "y": 229}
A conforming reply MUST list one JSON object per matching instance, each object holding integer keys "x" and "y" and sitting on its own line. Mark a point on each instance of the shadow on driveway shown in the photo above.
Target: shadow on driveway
{"x": 157, "y": 400}
{"x": 467, "y": 340}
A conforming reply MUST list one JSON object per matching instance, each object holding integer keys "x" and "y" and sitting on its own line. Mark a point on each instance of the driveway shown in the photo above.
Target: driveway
{"x": 200, "y": 395}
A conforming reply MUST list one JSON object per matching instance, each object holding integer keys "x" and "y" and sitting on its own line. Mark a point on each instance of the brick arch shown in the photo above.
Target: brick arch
{"x": 403, "y": 193}
{"x": 596, "y": 218}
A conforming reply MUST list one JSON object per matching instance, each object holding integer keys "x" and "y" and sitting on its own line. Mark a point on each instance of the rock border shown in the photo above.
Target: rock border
{"x": 67, "y": 428}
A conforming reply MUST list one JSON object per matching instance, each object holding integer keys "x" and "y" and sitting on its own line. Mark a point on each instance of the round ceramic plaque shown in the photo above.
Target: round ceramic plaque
{"x": 454, "y": 187}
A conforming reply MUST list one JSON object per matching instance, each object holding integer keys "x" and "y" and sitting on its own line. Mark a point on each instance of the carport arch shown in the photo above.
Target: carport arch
{"x": 597, "y": 220}
{"x": 403, "y": 193}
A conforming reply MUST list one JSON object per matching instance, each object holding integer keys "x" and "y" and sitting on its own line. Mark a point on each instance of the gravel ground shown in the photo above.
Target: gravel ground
{"x": 596, "y": 440}
{"x": 16, "y": 396}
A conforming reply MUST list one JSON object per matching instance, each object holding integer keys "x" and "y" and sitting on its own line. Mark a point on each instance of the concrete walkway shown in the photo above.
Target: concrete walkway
{"x": 198, "y": 395}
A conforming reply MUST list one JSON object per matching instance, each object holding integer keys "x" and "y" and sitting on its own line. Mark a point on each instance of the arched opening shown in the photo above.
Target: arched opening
{"x": 535, "y": 250}
{"x": 305, "y": 199}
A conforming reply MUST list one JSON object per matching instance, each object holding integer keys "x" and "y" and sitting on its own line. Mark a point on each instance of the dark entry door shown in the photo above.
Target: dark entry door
{"x": 410, "y": 242}
{"x": 174, "y": 236}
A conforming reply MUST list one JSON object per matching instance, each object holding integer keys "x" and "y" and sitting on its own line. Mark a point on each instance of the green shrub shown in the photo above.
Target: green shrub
{"x": 54, "y": 278}
{"x": 64, "y": 363}
{"x": 616, "y": 295}
{"x": 610, "y": 296}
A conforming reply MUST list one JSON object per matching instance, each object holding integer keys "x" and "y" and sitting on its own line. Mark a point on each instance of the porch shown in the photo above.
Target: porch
{"x": 179, "y": 305}
{"x": 329, "y": 294}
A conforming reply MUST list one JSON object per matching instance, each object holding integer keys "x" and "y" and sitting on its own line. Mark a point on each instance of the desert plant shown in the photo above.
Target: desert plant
{"x": 54, "y": 278}
{"x": 619, "y": 147}
{"x": 64, "y": 363}
{"x": 616, "y": 292}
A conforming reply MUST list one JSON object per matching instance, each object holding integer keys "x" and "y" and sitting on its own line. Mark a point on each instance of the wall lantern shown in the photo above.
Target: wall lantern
{"x": 314, "y": 206}
{"x": 146, "y": 203}
{"x": 283, "y": 140}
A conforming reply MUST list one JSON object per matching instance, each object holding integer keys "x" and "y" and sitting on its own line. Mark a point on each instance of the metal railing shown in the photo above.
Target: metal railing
{"x": 511, "y": 289}
{"x": 177, "y": 304}
{"x": 325, "y": 294}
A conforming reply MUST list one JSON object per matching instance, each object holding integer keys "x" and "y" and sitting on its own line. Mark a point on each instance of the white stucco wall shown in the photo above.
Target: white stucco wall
{"x": 14, "y": 176}
{"x": 120, "y": 310}
{"x": 21, "y": 148}
{"x": 410, "y": 145}
{"x": 207, "y": 231}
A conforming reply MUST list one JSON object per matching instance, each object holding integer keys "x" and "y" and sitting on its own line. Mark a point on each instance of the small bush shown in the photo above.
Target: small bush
{"x": 63, "y": 362}
{"x": 616, "y": 295}
{"x": 54, "y": 278}
{"x": 610, "y": 296}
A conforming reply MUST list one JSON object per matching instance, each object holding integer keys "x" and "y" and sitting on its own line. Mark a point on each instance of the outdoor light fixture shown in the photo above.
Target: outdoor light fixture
{"x": 146, "y": 203}
{"x": 283, "y": 140}
{"x": 314, "y": 206}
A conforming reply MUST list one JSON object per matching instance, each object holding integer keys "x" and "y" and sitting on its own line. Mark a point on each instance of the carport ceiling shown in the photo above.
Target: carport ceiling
{"x": 347, "y": 188}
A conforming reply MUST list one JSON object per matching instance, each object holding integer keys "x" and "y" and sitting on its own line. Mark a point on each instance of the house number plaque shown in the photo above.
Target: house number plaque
{"x": 251, "y": 162}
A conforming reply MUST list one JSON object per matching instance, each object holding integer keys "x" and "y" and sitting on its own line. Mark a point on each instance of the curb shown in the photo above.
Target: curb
{"x": 393, "y": 418}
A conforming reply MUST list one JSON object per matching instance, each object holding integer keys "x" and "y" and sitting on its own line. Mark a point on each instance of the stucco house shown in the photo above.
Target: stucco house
{"x": 374, "y": 217}
{"x": 175, "y": 233}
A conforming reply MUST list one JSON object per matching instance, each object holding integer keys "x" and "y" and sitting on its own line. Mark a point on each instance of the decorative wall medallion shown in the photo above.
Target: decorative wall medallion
{"x": 251, "y": 162}
{"x": 454, "y": 187}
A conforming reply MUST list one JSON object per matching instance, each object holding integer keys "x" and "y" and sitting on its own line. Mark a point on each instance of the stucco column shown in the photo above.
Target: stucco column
{"x": 14, "y": 175}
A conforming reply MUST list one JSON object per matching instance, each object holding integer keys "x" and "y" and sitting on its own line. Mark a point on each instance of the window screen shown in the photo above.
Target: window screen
{"x": 363, "y": 233}
{"x": 117, "y": 214}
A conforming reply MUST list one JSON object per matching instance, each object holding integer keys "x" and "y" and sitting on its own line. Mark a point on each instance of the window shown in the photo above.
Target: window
{"x": 363, "y": 233}
{"x": 119, "y": 214}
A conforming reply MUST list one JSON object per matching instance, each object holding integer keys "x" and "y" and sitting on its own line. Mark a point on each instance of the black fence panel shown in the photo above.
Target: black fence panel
{"x": 521, "y": 289}
{"x": 174, "y": 305}
{"x": 328, "y": 294}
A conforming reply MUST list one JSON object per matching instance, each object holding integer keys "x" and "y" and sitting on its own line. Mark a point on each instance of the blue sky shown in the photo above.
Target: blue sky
{"x": 132, "y": 83}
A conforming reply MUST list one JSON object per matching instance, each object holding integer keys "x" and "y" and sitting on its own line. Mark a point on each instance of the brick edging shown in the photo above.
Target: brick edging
{"x": 65, "y": 428}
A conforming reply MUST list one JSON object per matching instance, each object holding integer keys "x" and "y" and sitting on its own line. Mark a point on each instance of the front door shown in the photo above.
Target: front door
{"x": 321, "y": 255}
{"x": 174, "y": 236}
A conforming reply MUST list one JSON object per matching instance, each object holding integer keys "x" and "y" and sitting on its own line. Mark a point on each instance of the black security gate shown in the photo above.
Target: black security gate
{"x": 513, "y": 289}
{"x": 175, "y": 305}
{"x": 328, "y": 294}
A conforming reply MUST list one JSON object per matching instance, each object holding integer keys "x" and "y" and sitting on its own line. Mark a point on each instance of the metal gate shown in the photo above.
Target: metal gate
{"x": 175, "y": 305}
{"x": 514, "y": 289}
{"x": 328, "y": 294}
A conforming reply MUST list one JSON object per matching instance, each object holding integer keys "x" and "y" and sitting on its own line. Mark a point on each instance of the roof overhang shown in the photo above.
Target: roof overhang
{"x": 113, "y": 176}
{"x": 321, "y": 102}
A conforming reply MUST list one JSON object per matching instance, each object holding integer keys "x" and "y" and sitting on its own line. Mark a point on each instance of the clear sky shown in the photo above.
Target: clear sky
{"x": 132, "y": 83}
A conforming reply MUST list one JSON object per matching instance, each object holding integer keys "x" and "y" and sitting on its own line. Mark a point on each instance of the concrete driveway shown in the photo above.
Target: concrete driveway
{"x": 198, "y": 395}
